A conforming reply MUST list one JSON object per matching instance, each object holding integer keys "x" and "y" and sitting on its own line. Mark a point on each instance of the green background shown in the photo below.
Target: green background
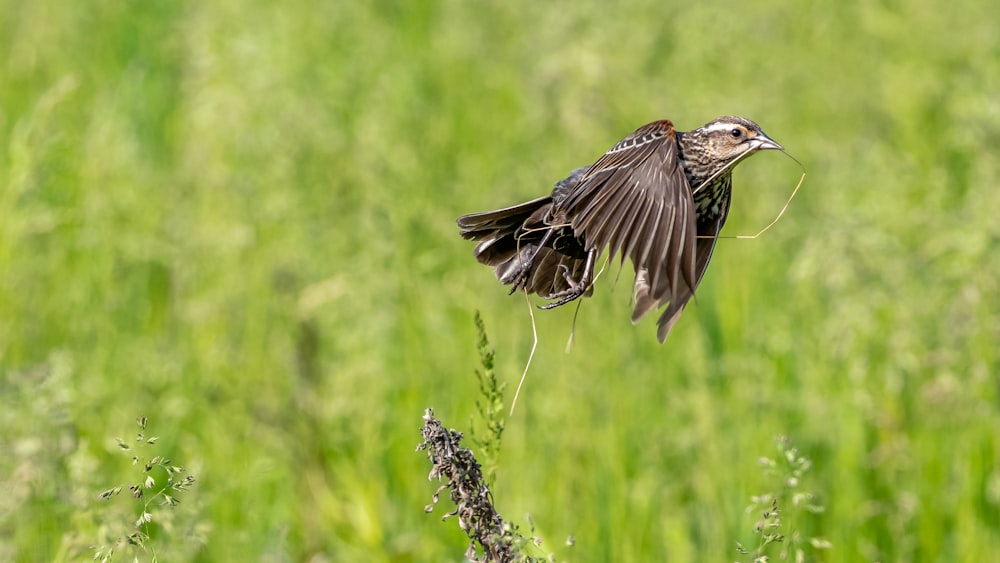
{"x": 237, "y": 219}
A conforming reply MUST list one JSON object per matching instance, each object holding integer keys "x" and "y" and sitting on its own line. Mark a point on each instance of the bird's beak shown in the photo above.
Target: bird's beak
{"x": 763, "y": 142}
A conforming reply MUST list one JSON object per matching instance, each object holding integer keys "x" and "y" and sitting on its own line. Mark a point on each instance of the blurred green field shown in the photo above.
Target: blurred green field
{"x": 237, "y": 219}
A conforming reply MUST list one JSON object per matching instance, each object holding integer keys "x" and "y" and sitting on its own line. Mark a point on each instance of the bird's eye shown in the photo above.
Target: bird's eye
{"x": 736, "y": 133}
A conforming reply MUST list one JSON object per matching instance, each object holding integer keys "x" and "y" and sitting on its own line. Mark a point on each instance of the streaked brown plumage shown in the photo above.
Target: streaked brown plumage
{"x": 659, "y": 196}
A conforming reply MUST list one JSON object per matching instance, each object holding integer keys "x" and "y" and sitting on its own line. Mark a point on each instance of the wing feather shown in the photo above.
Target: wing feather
{"x": 636, "y": 200}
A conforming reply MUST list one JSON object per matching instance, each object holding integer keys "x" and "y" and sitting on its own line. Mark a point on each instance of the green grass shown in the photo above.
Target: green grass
{"x": 237, "y": 219}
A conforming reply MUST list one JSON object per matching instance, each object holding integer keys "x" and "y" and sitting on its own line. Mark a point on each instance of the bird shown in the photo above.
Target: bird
{"x": 659, "y": 197}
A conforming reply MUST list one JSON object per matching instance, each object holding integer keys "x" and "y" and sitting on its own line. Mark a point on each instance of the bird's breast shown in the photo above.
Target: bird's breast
{"x": 711, "y": 200}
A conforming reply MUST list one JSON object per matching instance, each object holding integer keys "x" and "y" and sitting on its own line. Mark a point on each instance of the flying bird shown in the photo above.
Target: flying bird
{"x": 660, "y": 197}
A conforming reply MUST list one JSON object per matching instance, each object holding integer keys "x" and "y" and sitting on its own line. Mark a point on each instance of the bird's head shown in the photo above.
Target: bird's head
{"x": 730, "y": 138}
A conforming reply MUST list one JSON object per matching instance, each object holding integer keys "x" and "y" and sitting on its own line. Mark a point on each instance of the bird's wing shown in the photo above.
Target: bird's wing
{"x": 708, "y": 234}
{"x": 636, "y": 201}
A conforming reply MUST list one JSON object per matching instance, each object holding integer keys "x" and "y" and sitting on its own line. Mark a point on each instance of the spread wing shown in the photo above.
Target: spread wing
{"x": 636, "y": 201}
{"x": 708, "y": 234}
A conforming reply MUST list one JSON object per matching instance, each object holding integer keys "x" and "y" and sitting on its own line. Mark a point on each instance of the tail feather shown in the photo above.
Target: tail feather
{"x": 478, "y": 226}
{"x": 503, "y": 232}
{"x": 511, "y": 236}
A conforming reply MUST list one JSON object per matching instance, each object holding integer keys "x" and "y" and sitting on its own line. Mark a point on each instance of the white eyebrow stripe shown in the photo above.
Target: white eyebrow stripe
{"x": 723, "y": 126}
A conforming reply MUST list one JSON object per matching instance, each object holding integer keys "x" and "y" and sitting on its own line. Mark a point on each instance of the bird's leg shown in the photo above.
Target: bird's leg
{"x": 576, "y": 288}
{"x": 520, "y": 276}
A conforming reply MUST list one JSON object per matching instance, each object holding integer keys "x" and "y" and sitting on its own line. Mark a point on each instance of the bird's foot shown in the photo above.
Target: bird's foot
{"x": 575, "y": 290}
{"x": 518, "y": 277}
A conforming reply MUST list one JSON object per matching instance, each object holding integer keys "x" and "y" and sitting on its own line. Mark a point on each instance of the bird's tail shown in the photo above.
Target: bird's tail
{"x": 505, "y": 232}
{"x": 510, "y": 238}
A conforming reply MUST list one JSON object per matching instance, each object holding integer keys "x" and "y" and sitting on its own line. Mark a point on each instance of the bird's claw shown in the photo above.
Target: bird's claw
{"x": 519, "y": 279}
{"x": 575, "y": 290}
